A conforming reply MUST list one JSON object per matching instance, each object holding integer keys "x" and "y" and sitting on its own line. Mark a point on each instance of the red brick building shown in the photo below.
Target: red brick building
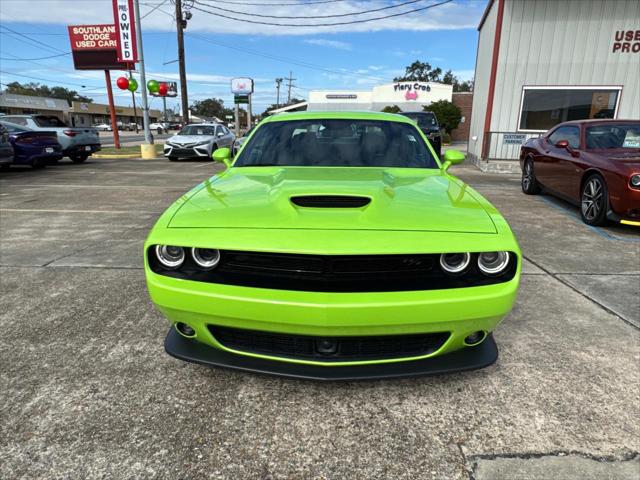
{"x": 464, "y": 101}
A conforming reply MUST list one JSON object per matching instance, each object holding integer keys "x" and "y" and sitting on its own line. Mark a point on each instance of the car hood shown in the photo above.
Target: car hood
{"x": 188, "y": 139}
{"x": 398, "y": 199}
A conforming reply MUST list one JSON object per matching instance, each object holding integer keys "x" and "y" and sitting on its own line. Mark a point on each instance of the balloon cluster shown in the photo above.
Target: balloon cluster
{"x": 159, "y": 88}
{"x": 125, "y": 83}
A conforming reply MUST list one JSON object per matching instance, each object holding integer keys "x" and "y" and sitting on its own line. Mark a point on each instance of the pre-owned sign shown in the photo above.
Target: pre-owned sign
{"x": 126, "y": 31}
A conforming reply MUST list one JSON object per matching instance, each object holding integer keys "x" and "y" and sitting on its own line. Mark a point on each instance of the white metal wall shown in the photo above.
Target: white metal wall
{"x": 556, "y": 42}
{"x": 481, "y": 80}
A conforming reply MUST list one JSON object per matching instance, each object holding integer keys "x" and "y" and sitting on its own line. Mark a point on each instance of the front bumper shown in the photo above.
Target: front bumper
{"x": 470, "y": 358}
{"x": 198, "y": 151}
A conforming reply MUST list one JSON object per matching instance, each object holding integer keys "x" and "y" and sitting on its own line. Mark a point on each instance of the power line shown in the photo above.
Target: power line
{"x": 363, "y": 12}
{"x": 42, "y": 79}
{"x": 350, "y": 22}
{"x": 281, "y": 4}
{"x": 32, "y": 59}
{"x": 42, "y": 44}
{"x": 285, "y": 59}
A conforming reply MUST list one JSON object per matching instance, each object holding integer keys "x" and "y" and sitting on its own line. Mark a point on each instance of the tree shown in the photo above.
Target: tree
{"x": 420, "y": 72}
{"x": 450, "y": 79}
{"x": 210, "y": 107}
{"x": 34, "y": 89}
{"x": 447, "y": 113}
{"x": 392, "y": 109}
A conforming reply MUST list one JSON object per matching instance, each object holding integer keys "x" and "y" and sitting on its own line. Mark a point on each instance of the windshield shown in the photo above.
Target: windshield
{"x": 198, "y": 130}
{"x": 48, "y": 121}
{"x": 423, "y": 119}
{"x": 337, "y": 143}
{"x": 613, "y": 135}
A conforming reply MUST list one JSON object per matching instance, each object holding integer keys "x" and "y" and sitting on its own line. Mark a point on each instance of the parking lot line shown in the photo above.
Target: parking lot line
{"x": 45, "y": 210}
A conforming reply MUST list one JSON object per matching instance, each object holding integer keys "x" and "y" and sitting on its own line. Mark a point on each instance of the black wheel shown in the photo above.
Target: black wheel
{"x": 5, "y": 167}
{"x": 38, "y": 164}
{"x": 594, "y": 201}
{"x": 173, "y": 159}
{"x": 530, "y": 184}
{"x": 79, "y": 158}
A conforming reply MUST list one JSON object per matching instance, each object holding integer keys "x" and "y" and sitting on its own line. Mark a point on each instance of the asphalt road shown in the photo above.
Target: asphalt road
{"x": 88, "y": 392}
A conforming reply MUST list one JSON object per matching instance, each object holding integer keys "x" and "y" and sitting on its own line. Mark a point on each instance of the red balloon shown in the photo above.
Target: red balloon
{"x": 122, "y": 82}
{"x": 162, "y": 89}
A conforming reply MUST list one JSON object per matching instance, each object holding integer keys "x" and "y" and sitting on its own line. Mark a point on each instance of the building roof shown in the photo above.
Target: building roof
{"x": 484, "y": 15}
{"x": 27, "y": 101}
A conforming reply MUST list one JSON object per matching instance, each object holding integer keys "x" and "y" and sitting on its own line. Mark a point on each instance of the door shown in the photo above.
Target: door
{"x": 560, "y": 170}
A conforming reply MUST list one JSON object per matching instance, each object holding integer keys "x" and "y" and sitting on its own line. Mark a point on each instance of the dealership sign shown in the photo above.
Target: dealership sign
{"x": 626, "y": 41}
{"x": 92, "y": 37}
{"x": 514, "y": 138}
{"x": 126, "y": 31}
{"x": 242, "y": 86}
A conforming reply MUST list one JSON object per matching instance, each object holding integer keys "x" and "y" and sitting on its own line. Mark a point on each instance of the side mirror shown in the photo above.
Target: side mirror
{"x": 562, "y": 144}
{"x": 452, "y": 157}
{"x": 565, "y": 144}
{"x": 220, "y": 134}
{"x": 223, "y": 155}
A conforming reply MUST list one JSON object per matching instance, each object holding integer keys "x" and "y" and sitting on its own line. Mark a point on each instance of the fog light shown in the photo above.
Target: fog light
{"x": 475, "y": 338}
{"x": 206, "y": 258}
{"x": 169, "y": 255}
{"x": 635, "y": 181}
{"x": 454, "y": 262}
{"x": 326, "y": 346}
{"x": 185, "y": 330}
{"x": 493, "y": 263}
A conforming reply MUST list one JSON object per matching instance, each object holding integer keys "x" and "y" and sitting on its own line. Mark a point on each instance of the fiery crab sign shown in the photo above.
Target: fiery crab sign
{"x": 126, "y": 30}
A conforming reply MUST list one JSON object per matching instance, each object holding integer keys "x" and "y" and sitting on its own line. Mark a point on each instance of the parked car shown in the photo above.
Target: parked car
{"x": 175, "y": 126}
{"x": 238, "y": 142}
{"x": 335, "y": 246}
{"x": 31, "y": 147}
{"x": 6, "y": 149}
{"x": 103, "y": 127}
{"x": 594, "y": 164}
{"x": 158, "y": 127}
{"x": 198, "y": 141}
{"x": 78, "y": 143}
{"x": 428, "y": 123}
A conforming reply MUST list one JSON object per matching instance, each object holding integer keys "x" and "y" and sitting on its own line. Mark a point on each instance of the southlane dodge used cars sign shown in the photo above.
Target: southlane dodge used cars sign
{"x": 93, "y": 37}
{"x": 126, "y": 32}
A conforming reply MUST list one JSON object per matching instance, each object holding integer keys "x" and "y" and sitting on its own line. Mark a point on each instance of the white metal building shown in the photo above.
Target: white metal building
{"x": 542, "y": 62}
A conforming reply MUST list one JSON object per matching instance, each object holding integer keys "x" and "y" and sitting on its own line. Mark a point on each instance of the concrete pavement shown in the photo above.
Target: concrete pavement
{"x": 88, "y": 391}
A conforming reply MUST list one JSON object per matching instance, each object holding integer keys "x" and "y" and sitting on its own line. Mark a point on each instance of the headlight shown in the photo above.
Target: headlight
{"x": 170, "y": 256}
{"x": 635, "y": 181}
{"x": 206, "y": 142}
{"x": 493, "y": 263}
{"x": 455, "y": 262}
{"x": 206, "y": 258}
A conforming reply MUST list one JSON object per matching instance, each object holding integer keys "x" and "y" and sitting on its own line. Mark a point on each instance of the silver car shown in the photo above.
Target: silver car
{"x": 198, "y": 141}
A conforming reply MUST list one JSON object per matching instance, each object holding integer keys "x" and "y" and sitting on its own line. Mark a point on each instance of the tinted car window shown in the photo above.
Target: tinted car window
{"x": 613, "y": 136}
{"x": 48, "y": 121}
{"x": 423, "y": 119}
{"x": 198, "y": 130}
{"x": 11, "y": 127}
{"x": 337, "y": 143}
{"x": 570, "y": 134}
{"x": 15, "y": 120}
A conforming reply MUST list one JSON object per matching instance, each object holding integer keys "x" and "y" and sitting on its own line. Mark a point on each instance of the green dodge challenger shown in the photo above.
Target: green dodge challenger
{"x": 335, "y": 246}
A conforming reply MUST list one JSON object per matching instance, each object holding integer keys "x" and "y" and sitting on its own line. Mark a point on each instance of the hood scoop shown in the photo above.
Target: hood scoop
{"x": 330, "y": 201}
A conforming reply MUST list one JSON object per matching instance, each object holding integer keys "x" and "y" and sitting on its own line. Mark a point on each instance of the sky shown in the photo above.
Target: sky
{"x": 354, "y": 57}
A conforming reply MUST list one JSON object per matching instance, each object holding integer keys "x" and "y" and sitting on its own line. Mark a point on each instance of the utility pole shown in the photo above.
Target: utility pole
{"x": 143, "y": 78}
{"x": 278, "y": 82}
{"x": 289, "y": 85}
{"x": 181, "y": 24}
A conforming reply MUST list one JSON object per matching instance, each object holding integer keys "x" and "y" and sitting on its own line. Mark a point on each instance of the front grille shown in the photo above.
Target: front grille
{"x": 333, "y": 273}
{"x": 329, "y": 348}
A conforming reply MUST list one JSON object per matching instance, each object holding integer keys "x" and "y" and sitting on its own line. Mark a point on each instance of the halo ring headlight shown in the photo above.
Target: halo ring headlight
{"x": 634, "y": 181}
{"x": 455, "y": 262}
{"x": 493, "y": 263}
{"x": 206, "y": 258}
{"x": 170, "y": 256}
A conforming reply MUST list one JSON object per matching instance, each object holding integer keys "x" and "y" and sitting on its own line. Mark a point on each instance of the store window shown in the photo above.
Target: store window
{"x": 544, "y": 107}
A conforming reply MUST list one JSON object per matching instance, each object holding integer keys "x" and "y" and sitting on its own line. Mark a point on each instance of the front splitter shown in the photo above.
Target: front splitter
{"x": 470, "y": 358}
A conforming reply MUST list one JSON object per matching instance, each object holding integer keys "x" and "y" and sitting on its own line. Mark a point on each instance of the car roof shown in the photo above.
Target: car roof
{"x": 311, "y": 115}
{"x": 591, "y": 121}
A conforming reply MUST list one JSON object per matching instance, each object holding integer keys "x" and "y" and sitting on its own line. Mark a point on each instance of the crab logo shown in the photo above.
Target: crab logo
{"x": 241, "y": 86}
{"x": 411, "y": 95}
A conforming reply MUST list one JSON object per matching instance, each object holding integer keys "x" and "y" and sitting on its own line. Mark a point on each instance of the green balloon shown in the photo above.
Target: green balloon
{"x": 133, "y": 85}
{"x": 153, "y": 86}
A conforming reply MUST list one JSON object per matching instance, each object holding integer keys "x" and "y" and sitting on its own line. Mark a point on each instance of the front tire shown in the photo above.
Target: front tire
{"x": 78, "y": 158}
{"x": 530, "y": 184}
{"x": 594, "y": 201}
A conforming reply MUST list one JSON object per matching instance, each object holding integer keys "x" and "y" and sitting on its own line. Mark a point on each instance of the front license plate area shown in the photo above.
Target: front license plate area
{"x": 87, "y": 148}
{"x": 48, "y": 150}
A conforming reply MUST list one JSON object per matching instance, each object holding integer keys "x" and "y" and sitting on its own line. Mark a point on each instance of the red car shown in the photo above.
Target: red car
{"x": 591, "y": 163}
